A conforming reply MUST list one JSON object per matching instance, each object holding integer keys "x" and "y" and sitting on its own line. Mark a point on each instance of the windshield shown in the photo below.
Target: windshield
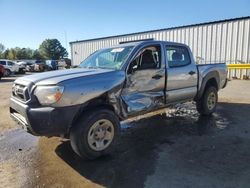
{"x": 111, "y": 58}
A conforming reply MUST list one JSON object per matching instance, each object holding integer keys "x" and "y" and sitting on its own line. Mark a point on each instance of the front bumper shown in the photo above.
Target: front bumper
{"x": 43, "y": 121}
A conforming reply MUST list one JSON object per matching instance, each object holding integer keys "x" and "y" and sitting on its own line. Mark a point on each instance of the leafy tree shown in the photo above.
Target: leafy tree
{"x": 1, "y": 50}
{"x": 5, "y": 54}
{"x": 36, "y": 55}
{"x": 23, "y": 53}
{"x": 52, "y": 49}
{"x": 10, "y": 54}
{"x": 1, "y": 47}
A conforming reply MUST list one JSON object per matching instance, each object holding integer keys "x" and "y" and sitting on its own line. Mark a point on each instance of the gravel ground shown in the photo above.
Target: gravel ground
{"x": 178, "y": 148}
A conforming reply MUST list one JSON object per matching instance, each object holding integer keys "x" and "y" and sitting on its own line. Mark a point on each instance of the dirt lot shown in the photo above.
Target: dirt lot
{"x": 178, "y": 148}
{"x": 5, "y": 92}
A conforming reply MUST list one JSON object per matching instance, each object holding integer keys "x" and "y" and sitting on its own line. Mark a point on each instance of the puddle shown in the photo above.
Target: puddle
{"x": 182, "y": 116}
{"x": 183, "y": 110}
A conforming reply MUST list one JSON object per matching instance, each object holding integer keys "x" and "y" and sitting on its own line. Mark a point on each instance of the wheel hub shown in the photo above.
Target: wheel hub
{"x": 211, "y": 101}
{"x": 100, "y": 134}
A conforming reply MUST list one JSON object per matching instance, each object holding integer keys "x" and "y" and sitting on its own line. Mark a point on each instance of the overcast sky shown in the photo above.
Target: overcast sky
{"x": 26, "y": 23}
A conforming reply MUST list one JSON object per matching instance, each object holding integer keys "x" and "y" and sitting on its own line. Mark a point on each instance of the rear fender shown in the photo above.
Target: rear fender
{"x": 214, "y": 75}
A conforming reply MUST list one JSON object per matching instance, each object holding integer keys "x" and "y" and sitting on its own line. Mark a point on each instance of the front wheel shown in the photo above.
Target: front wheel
{"x": 208, "y": 102}
{"x": 95, "y": 134}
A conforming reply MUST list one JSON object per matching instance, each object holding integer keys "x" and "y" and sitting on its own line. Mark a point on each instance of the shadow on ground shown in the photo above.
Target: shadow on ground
{"x": 137, "y": 152}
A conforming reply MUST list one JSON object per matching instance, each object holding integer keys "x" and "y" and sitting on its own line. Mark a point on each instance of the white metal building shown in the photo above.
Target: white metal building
{"x": 219, "y": 41}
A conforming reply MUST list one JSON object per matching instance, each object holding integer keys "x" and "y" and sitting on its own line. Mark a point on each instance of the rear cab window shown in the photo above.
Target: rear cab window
{"x": 177, "y": 56}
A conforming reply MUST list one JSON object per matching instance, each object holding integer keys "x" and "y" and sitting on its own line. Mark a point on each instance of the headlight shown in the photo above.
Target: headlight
{"x": 48, "y": 94}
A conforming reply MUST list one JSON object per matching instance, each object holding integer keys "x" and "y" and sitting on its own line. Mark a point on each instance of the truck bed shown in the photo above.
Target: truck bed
{"x": 217, "y": 68}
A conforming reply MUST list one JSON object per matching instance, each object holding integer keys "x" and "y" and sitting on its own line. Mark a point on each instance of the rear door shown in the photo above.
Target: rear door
{"x": 145, "y": 83}
{"x": 182, "y": 73}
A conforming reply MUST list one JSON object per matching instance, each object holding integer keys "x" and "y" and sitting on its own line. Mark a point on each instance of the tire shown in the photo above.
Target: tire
{"x": 91, "y": 142}
{"x": 7, "y": 72}
{"x": 21, "y": 71}
{"x": 208, "y": 102}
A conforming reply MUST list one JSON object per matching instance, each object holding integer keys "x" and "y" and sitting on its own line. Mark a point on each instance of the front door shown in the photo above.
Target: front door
{"x": 145, "y": 83}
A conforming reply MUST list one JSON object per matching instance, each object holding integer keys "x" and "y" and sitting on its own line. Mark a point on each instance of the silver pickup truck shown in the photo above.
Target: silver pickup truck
{"x": 86, "y": 104}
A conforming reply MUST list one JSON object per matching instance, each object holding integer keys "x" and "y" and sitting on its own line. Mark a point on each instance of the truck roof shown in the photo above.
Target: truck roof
{"x": 142, "y": 42}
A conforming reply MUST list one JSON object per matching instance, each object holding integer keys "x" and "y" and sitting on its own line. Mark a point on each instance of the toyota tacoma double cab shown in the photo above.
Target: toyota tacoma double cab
{"x": 86, "y": 104}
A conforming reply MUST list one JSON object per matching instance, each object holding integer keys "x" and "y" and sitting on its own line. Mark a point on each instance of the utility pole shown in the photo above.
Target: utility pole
{"x": 66, "y": 40}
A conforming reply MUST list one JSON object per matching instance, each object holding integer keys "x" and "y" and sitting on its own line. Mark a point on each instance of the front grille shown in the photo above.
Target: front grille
{"x": 20, "y": 92}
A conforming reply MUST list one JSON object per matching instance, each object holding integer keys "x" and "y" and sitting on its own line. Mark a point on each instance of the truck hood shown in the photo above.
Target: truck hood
{"x": 54, "y": 77}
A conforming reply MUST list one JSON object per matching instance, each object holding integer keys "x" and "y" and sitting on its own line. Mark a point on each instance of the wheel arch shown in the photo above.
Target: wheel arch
{"x": 99, "y": 102}
{"x": 211, "y": 79}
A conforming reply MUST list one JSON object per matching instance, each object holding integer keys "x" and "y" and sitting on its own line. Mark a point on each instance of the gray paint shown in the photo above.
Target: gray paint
{"x": 225, "y": 41}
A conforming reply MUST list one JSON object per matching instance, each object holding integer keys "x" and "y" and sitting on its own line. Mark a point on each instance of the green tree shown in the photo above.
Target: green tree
{"x": 36, "y": 55}
{"x": 23, "y": 53}
{"x": 9, "y": 54}
{"x": 1, "y": 50}
{"x": 5, "y": 54}
{"x": 52, "y": 49}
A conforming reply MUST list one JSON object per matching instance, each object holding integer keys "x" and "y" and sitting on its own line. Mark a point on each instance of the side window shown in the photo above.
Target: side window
{"x": 147, "y": 58}
{"x": 3, "y": 62}
{"x": 177, "y": 56}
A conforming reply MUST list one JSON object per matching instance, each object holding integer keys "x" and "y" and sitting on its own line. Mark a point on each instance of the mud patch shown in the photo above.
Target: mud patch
{"x": 9, "y": 174}
{"x": 17, "y": 159}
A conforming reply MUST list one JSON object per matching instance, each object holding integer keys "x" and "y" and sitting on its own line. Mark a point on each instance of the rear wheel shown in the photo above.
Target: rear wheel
{"x": 208, "y": 102}
{"x": 95, "y": 134}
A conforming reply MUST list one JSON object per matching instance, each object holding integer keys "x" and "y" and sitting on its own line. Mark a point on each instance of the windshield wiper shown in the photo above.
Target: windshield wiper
{"x": 88, "y": 67}
{"x": 96, "y": 67}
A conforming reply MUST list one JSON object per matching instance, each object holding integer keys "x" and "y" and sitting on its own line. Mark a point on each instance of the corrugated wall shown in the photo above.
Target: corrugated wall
{"x": 225, "y": 41}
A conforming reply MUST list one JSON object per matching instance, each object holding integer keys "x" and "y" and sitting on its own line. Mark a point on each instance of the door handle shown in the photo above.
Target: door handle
{"x": 191, "y": 72}
{"x": 157, "y": 77}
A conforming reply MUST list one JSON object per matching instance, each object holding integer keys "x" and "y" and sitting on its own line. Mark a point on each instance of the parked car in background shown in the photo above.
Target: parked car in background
{"x": 10, "y": 66}
{"x": 22, "y": 67}
{"x": 37, "y": 66}
{"x": 2, "y": 71}
{"x": 62, "y": 64}
{"x": 86, "y": 104}
{"x": 52, "y": 64}
{"x": 30, "y": 66}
